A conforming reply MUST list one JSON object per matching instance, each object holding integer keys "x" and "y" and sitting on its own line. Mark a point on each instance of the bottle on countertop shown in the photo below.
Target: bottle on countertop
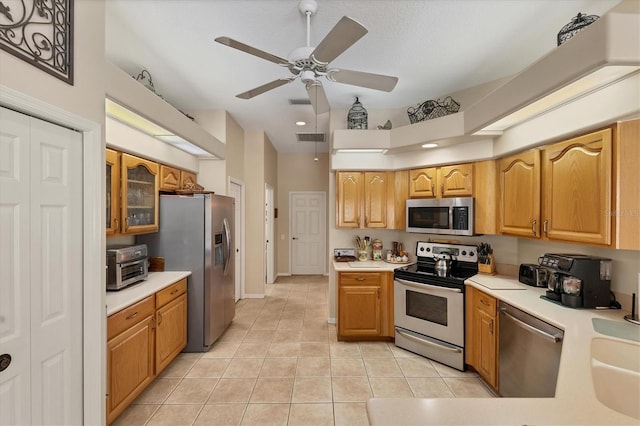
{"x": 377, "y": 249}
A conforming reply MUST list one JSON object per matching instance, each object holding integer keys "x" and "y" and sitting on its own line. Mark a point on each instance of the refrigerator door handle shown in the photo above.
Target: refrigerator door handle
{"x": 227, "y": 244}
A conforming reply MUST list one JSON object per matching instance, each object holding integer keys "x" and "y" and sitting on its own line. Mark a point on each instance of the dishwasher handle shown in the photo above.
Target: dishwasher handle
{"x": 555, "y": 337}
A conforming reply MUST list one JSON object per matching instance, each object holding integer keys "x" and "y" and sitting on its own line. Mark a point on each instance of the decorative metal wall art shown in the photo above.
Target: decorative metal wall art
{"x": 145, "y": 79}
{"x": 432, "y": 109}
{"x": 357, "y": 118}
{"x": 577, "y": 23}
{"x": 39, "y": 32}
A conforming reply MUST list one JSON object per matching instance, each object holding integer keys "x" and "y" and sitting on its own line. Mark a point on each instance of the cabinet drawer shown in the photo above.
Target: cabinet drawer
{"x": 166, "y": 295}
{"x": 130, "y": 316}
{"x": 360, "y": 278}
{"x": 485, "y": 303}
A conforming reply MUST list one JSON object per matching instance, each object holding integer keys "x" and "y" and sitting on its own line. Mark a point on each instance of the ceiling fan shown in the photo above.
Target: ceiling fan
{"x": 309, "y": 62}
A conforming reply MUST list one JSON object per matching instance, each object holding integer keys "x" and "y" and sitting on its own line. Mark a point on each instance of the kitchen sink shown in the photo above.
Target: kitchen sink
{"x": 615, "y": 371}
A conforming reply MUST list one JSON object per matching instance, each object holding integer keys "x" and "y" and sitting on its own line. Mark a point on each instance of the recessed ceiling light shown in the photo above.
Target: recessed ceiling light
{"x": 429, "y": 145}
{"x": 300, "y": 123}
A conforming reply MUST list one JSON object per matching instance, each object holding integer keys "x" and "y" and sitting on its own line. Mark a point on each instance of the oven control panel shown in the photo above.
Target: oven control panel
{"x": 460, "y": 252}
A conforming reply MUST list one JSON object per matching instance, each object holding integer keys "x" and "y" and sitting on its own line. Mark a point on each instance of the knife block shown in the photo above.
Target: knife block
{"x": 488, "y": 268}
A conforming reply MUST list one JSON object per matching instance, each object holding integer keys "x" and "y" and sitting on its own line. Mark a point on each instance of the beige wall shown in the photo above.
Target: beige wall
{"x": 86, "y": 97}
{"x": 296, "y": 172}
{"x": 84, "y": 100}
{"x": 235, "y": 149}
{"x": 261, "y": 160}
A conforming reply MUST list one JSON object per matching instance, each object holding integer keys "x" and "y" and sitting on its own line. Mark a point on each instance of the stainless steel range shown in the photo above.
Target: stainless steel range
{"x": 429, "y": 301}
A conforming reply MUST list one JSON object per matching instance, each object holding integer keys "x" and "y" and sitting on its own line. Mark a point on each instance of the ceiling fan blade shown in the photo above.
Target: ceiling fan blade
{"x": 265, "y": 88}
{"x": 252, "y": 50}
{"x": 385, "y": 83}
{"x": 318, "y": 97}
{"x": 341, "y": 37}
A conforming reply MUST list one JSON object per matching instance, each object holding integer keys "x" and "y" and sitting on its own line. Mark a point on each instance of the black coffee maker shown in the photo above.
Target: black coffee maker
{"x": 578, "y": 280}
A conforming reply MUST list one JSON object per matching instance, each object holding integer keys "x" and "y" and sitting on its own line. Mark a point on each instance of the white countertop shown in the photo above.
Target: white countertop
{"x": 368, "y": 266}
{"x": 156, "y": 281}
{"x": 575, "y": 402}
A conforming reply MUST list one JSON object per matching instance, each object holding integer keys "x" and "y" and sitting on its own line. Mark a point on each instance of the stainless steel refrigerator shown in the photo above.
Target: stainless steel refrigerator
{"x": 195, "y": 235}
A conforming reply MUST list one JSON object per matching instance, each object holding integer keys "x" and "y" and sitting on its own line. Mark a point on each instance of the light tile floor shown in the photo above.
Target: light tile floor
{"x": 280, "y": 363}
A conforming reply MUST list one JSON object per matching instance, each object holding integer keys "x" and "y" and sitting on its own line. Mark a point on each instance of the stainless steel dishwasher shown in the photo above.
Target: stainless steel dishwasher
{"x": 529, "y": 351}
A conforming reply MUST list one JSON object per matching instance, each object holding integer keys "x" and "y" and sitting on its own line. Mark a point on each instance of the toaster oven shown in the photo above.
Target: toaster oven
{"x": 126, "y": 265}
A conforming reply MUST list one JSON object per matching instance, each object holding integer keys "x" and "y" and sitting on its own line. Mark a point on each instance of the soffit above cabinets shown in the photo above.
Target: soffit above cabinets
{"x": 604, "y": 53}
{"x": 131, "y": 103}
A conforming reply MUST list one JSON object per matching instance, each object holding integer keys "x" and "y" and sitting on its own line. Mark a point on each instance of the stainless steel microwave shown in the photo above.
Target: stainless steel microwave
{"x": 449, "y": 216}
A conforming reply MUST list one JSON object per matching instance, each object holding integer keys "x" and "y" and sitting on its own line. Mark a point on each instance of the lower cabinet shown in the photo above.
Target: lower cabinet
{"x": 142, "y": 340}
{"x": 171, "y": 318}
{"x": 481, "y": 341}
{"x": 365, "y": 306}
{"x": 130, "y": 353}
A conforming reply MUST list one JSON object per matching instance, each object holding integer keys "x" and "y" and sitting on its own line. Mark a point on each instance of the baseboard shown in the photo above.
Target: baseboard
{"x": 282, "y": 275}
{"x": 254, "y": 296}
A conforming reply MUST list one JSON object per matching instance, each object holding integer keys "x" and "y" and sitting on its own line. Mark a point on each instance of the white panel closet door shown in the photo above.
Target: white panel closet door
{"x": 44, "y": 271}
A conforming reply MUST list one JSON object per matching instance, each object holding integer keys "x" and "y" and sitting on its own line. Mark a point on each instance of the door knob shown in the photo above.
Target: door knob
{"x": 294, "y": 238}
{"x": 5, "y": 360}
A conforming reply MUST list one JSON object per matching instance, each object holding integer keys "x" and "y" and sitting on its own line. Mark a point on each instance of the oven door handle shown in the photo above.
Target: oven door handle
{"x": 428, "y": 286}
{"x": 426, "y": 342}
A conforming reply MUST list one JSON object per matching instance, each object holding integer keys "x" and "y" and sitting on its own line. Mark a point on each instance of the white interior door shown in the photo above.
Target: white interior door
{"x": 268, "y": 237}
{"x": 236, "y": 190}
{"x": 308, "y": 232}
{"x": 41, "y": 282}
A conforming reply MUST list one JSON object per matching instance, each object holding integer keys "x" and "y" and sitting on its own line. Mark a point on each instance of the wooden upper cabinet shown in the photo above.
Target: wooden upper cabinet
{"x": 187, "y": 179}
{"x": 626, "y": 211}
{"x": 520, "y": 194}
{"x": 169, "y": 178}
{"x": 113, "y": 192}
{"x": 139, "y": 183}
{"x": 445, "y": 181}
{"x": 371, "y": 199}
{"x": 485, "y": 182}
{"x": 376, "y": 191}
{"x": 349, "y": 199}
{"x": 422, "y": 183}
{"x": 577, "y": 182}
{"x": 456, "y": 180}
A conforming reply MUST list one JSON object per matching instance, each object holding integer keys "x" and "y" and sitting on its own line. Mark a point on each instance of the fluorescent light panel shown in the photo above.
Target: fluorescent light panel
{"x": 587, "y": 84}
{"x": 140, "y": 123}
{"x": 362, "y": 151}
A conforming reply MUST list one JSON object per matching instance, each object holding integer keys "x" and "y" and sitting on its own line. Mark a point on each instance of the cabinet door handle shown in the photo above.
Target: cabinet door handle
{"x": 175, "y": 290}
{"x": 126, "y": 223}
{"x": 433, "y": 189}
{"x": 545, "y": 227}
{"x": 491, "y": 327}
{"x": 366, "y": 221}
{"x": 159, "y": 318}
{"x": 132, "y": 316}
{"x": 360, "y": 279}
{"x": 378, "y": 290}
{"x": 442, "y": 189}
{"x": 533, "y": 226}
{"x": 484, "y": 302}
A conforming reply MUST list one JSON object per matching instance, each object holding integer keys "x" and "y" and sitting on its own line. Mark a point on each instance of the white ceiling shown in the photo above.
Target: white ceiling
{"x": 434, "y": 47}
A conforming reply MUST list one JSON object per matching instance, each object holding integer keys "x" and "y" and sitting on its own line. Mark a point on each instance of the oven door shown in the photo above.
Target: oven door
{"x": 430, "y": 310}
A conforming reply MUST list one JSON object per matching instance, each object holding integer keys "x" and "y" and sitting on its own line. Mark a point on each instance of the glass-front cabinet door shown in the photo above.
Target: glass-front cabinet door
{"x": 139, "y": 195}
{"x": 113, "y": 192}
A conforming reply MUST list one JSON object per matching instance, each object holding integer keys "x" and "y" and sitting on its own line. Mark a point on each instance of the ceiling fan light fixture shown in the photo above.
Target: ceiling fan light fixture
{"x": 300, "y": 123}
